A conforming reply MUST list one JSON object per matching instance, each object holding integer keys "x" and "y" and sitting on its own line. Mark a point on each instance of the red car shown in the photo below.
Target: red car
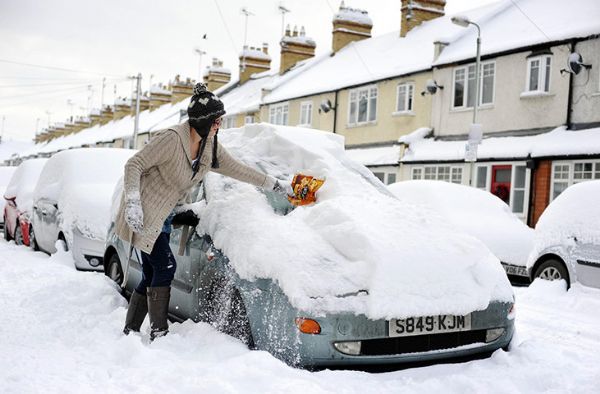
{"x": 19, "y": 201}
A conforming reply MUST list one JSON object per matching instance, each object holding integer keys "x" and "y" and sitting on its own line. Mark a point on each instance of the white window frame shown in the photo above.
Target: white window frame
{"x": 385, "y": 175}
{"x": 570, "y": 181}
{"x": 249, "y": 119}
{"x": 284, "y": 109}
{"x": 306, "y": 110}
{"x": 513, "y": 172}
{"x": 372, "y": 92}
{"x": 465, "y": 68}
{"x": 409, "y": 97}
{"x": 228, "y": 122}
{"x": 435, "y": 173}
{"x": 543, "y": 59}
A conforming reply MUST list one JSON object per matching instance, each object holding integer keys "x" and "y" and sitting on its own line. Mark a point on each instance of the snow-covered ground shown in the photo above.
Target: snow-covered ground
{"x": 61, "y": 332}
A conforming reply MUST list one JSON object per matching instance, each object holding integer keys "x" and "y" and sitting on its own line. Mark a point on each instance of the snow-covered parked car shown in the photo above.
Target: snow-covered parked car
{"x": 6, "y": 172}
{"x": 567, "y": 237}
{"x": 19, "y": 201}
{"x": 359, "y": 277}
{"x": 72, "y": 199}
{"x": 476, "y": 213}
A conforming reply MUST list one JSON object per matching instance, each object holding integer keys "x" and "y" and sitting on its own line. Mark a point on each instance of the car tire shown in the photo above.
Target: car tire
{"x": 6, "y": 234}
{"x": 114, "y": 270}
{"x": 19, "y": 234}
{"x": 552, "y": 269}
{"x": 32, "y": 241}
{"x": 227, "y": 311}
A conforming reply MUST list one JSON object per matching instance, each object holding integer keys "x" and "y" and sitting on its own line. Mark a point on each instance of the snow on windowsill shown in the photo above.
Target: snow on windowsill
{"x": 470, "y": 109}
{"x": 362, "y": 124}
{"x": 403, "y": 113}
{"x": 535, "y": 93}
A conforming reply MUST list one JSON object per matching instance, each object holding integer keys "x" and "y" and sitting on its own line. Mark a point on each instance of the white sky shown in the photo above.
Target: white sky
{"x": 117, "y": 38}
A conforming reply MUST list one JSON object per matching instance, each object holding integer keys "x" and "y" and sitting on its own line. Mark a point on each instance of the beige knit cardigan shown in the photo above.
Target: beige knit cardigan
{"x": 162, "y": 173}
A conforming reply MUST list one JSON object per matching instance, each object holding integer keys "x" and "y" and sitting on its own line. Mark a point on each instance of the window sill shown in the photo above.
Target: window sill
{"x": 536, "y": 94}
{"x": 356, "y": 125}
{"x": 597, "y": 94}
{"x": 470, "y": 109}
{"x": 306, "y": 126}
{"x": 403, "y": 113}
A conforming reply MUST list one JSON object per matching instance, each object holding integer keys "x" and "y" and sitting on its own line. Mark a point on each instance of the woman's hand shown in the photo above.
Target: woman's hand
{"x": 134, "y": 215}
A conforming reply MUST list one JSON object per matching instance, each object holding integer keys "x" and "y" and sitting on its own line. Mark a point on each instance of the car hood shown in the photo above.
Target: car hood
{"x": 390, "y": 259}
{"x": 86, "y": 207}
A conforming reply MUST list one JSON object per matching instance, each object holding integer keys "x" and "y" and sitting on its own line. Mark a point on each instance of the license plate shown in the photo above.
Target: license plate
{"x": 429, "y": 325}
{"x": 515, "y": 270}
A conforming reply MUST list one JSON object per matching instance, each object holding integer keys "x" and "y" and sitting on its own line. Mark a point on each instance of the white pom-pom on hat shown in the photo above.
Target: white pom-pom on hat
{"x": 199, "y": 89}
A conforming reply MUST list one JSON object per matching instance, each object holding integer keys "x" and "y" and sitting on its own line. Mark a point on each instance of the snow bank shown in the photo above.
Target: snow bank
{"x": 574, "y": 214}
{"x": 358, "y": 249}
{"x": 23, "y": 183}
{"x": 82, "y": 181}
{"x": 475, "y": 212}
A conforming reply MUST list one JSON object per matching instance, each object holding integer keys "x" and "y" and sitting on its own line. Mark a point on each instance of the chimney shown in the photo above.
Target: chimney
{"x": 181, "y": 89}
{"x": 81, "y": 123}
{"x": 350, "y": 25}
{"x": 253, "y": 61}
{"x": 95, "y": 116}
{"x": 216, "y": 75}
{"x": 122, "y": 108}
{"x": 415, "y": 12}
{"x": 295, "y": 48}
{"x": 159, "y": 95}
{"x": 438, "y": 47}
{"x": 106, "y": 115}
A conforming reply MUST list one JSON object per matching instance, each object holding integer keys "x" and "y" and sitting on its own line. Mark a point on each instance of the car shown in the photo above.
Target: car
{"x": 6, "y": 172}
{"x": 19, "y": 202}
{"x": 567, "y": 237}
{"x": 478, "y": 213}
{"x": 326, "y": 284}
{"x": 71, "y": 202}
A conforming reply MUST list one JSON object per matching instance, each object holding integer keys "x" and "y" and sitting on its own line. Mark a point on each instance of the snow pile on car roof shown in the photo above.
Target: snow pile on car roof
{"x": 82, "y": 182}
{"x": 23, "y": 182}
{"x": 358, "y": 249}
{"x": 574, "y": 216}
{"x": 475, "y": 212}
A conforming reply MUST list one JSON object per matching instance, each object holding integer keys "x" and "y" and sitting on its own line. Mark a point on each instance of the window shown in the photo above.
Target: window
{"x": 391, "y": 178}
{"x": 565, "y": 174}
{"x": 481, "y": 182}
{"x": 438, "y": 173}
{"x": 306, "y": 113}
{"x": 380, "y": 176}
{"x": 229, "y": 122}
{"x": 249, "y": 119}
{"x": 278, "y": 114}
{"x": 518, "y": 189}
{"x": 404, "y": 102}
{"x": 362, "y": 105}
{"x": 465, "y": 86}
{"x": 386, "y": 178}
{"x": 538, "y": 74}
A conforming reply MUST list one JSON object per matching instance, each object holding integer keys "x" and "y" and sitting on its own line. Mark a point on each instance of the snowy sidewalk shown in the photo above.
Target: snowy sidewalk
{"x": 61, "y": 332}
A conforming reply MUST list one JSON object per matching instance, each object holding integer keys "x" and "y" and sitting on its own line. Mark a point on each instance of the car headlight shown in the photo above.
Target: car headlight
{"x": 349, "y": 347}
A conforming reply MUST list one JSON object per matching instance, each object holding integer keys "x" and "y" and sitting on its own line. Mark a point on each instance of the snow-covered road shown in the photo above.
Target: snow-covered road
{"x": 60, "y": 331}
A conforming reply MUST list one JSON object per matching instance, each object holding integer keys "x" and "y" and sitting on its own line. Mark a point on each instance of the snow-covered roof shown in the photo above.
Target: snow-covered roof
{"x": 558, "y": 142}
{"x": 517, "y": 24}
{"x": 376, "y": 156}
{"x": 254, "y": 53}
{"x": 354, "y": 15}
{"x": 302, "y": 40}
{"x": 247, "y": 96}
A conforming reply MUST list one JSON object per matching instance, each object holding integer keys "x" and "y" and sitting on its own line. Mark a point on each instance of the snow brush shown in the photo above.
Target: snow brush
{"x": 305, "y": 188}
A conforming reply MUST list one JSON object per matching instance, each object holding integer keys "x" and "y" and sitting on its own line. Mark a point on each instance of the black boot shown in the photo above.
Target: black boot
{"x": 136, "y": 312}
{"x": 158, "y": 308}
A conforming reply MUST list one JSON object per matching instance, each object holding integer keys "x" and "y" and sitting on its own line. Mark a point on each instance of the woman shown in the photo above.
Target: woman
{"x": 159, "y": 177}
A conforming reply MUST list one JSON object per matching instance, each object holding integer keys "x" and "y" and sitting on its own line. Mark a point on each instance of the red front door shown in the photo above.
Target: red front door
{"x": 501, "y": 176}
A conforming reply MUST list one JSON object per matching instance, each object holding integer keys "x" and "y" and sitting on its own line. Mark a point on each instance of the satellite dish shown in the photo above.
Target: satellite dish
{"x": 575, "y": 63}
{"x": 326, "y": 106}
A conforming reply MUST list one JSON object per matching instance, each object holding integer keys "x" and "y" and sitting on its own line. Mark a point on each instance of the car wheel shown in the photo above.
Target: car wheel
{"x": 227, "y": 312}
{"x": 6, "y": 234}
{"x": 114, "y": 270}
{"x": 552, "y": 269}
{"x": 18, "y": 235}
{"x": 32, "y": 241}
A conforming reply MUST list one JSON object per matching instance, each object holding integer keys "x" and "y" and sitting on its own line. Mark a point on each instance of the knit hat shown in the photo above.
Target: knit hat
{"x": 203, "y": 110}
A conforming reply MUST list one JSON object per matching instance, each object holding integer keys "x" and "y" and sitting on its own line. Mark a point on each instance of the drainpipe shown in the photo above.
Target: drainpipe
{"x": 570, "y": 97}
{"x": 335, "y": 113}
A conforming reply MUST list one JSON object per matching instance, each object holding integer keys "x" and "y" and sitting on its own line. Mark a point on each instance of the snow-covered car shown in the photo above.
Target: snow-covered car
{"x": 356, "y": 278}
{"x": 19, "y": 201}
{"x": 567, "y": 237}
{"x": 477, "y": 213}
{"x": 6, "y": 172}
{"x": 72, "y": 199}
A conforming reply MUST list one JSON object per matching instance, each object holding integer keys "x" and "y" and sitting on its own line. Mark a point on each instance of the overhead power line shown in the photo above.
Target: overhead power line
{"x": 59, "y": 68}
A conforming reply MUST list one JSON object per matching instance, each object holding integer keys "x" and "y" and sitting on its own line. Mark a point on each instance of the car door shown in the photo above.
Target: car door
{"x": 182, "y": 295}
{"x": 587, "y": 263}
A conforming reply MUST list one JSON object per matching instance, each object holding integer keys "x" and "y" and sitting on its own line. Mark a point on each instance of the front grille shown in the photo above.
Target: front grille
{"x": 420, "y": 343}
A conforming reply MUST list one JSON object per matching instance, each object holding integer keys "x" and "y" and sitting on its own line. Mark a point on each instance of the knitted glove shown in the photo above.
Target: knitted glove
{"x": 134, "y": 215}
{"x": 280, "y": 187}
{"x": 188, "y": 218}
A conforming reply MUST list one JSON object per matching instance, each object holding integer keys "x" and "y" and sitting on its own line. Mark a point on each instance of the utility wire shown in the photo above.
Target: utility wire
{"x": 58, "y": 68}
{"x": 226, "y": 27}
{"x": 89, "y": 82}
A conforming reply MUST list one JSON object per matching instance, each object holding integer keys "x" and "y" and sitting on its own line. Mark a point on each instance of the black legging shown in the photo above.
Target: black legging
{"x": 158, "y": 268}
